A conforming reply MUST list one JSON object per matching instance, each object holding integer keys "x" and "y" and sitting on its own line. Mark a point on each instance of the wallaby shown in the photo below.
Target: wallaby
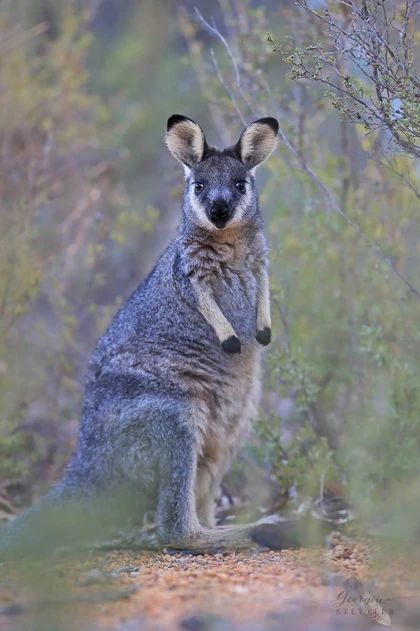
{"x": 174, "y": 384}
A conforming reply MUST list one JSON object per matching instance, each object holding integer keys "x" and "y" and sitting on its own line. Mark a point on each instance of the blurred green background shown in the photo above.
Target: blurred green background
{"x": 89, "y": 197}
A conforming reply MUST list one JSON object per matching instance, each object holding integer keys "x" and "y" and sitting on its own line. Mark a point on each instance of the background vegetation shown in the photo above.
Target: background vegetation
{"x": 89, "y": 197}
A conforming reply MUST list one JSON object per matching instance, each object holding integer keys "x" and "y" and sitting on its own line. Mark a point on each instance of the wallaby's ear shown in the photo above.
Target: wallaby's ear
{"x": 257, "y": 141}
{"x": 185, "y": 140}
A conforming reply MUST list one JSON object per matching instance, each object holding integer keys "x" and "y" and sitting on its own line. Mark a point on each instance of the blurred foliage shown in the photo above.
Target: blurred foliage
{"x": 81, "y": 192}
{"x": 46, "y": 121}
{"x": 85, "y": 182}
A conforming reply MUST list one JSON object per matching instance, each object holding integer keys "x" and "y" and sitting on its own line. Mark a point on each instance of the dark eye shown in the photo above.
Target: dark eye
{"x": 241, "y": 186}
{"x": 198, "y": 187}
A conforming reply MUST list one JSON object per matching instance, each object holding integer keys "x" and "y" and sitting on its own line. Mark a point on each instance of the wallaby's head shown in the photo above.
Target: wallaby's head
{"x": 220, "y": 189}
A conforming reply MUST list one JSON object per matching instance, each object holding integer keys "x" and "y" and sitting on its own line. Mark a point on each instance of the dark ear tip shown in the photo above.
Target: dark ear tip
{"x": 271, "y": 122}
{"x": 175, "y": 119}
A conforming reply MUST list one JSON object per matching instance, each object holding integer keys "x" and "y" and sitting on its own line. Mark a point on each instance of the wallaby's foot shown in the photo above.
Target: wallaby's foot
{"x": 231, "y": 344}
{"x": 213, "y": 541}
{"x": 264, "y": 336}
{"x": 286, "y": 534}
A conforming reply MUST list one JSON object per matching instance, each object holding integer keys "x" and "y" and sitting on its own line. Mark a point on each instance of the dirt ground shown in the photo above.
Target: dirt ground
{"x": 255, "y": 590}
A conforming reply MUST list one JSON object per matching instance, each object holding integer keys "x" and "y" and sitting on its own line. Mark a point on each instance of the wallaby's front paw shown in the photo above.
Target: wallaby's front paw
{"x": 231, "y": 344}
{"x": 264, "y": 336}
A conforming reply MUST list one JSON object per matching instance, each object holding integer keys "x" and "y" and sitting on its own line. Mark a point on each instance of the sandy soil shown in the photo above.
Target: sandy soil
{"x": 290, "y": 589}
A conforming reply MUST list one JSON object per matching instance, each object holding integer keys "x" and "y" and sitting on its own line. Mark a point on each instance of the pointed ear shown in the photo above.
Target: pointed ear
{"x": 257, "y": 141}
{"x": 185, "y": 140}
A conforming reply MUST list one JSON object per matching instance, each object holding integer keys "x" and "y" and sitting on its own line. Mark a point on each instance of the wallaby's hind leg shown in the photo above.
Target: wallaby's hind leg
{"x": 177, "y": 522}
{"x": 204, "y": 497}
{"x": 176, "y": 511}
{"x": 206, "y": 489}
{"x": 208, "y": 481}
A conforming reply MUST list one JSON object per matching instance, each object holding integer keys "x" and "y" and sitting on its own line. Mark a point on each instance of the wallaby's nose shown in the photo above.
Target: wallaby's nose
{"x": 219, "y": 212}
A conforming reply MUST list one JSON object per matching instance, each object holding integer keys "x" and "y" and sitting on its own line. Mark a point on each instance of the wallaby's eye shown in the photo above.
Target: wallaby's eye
{"x": 241, "y": 186}
{"x": 198, "y": 187}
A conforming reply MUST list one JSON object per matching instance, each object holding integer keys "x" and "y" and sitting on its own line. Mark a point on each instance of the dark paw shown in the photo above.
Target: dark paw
{"x": 231, "y": 344}
{"x": 291, "y": 533}
{"x": 264, "y": 336}
{"x": 276, "y": 536}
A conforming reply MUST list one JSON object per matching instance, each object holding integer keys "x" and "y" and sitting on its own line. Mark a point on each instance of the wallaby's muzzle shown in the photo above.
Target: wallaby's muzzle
{"x": 220, "y": 213}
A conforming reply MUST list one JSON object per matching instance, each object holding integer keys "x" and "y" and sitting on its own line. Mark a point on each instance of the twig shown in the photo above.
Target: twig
{"x": 19, "y": 37}
{"x": 407, "y": 181}
{"x": 225, "y": 85}
{"x": 374, "y": 247}
{"x": 214, "y": 31}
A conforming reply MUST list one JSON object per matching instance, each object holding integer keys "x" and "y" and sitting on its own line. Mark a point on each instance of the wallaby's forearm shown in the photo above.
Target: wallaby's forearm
{"x": 263, "y": 334}
{"x": 210, "y": 310}
{"x": 225, "y": 332}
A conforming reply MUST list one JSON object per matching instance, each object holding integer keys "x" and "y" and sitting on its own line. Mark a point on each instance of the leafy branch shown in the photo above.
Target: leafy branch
{"x": 367, "y": 65}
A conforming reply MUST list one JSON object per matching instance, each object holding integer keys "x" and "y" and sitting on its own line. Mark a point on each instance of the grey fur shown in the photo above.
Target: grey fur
{"x": 166, "y": 407}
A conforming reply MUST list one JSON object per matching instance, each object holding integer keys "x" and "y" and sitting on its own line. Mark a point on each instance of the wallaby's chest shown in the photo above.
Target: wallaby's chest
{"x": 235, "y": 291}
{"x": 230, "y": 271}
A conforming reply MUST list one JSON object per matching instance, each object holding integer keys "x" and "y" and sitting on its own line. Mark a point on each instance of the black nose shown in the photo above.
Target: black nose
{"x": 219, "y": 210}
